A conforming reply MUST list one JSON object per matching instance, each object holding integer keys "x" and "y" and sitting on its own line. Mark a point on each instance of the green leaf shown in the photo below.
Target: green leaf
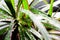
{"x": 8, "y": 35}
{"x": 25, "y": 4}
{"x": 18, "y": 13}
{"x": 10, "y": 6}
{"x": 51, "y": 8}
{"x": 4, "y": 14}
{"x": 2, "y": 11}
{"x": 19, "y": 4}
{"x": 13, "y": 3}
{"x": 49, "y": 26}
{"x": 22, "y": 34}
{"x": 36, "y": 11}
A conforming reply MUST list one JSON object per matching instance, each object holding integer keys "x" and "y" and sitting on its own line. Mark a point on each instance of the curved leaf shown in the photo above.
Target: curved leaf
{"x": 50, "y": 20}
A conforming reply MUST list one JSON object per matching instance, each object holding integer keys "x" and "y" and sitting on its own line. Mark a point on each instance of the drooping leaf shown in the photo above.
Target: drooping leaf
{"x": 55, "y": 23}
{"x": 37, "y": 22}
{"x": 49, "y": 26}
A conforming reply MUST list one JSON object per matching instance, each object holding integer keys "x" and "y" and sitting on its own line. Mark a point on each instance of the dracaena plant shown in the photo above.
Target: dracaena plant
{"x": 14, "y": 24}
{"x": 22, "y": 22}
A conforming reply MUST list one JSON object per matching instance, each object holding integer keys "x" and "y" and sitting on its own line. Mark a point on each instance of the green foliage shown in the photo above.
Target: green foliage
{"x": 25, "y": 23}
{"x": 10, "y": 6}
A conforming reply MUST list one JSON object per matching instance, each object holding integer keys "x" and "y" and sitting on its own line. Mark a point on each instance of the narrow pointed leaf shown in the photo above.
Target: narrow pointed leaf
{"x": 4, "y": 7}
{"x": 10, "y": 6}
{"x": 51, "y": 8}
{"x": 19, "y": 4}
{"x": 4, "y": 12}
{"x": 13, "y": 3}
